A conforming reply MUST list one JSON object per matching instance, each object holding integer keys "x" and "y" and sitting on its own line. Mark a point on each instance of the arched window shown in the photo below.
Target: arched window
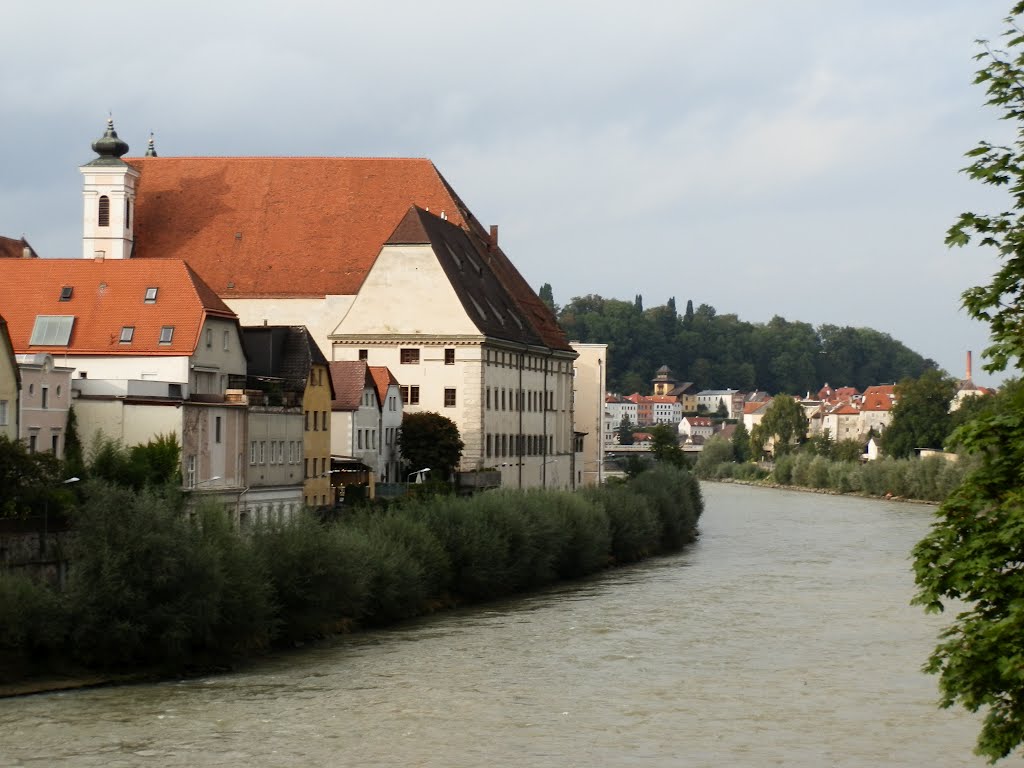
{"x": 104, "y": 211}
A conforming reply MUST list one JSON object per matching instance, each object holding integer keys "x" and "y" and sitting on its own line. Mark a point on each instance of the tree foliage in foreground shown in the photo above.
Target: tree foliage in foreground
{"x": 974, "y": 552}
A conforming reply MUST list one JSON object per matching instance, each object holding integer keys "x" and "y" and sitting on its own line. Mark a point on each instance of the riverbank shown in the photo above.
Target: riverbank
{"x": 153, "y": 595}
{"x": 824, "y": 491}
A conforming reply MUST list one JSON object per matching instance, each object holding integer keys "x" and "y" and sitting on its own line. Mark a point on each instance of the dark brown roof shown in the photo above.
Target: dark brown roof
{"x": 349, "y": 378}
{"x": 11, "y": 248}
{"x": 286, "y": 352}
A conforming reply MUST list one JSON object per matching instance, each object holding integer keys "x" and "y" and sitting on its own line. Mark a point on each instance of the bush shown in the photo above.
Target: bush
{"x": 35, "y": 625}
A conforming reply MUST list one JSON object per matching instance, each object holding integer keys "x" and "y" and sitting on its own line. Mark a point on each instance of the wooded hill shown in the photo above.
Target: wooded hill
{"x": 721, "y": 351}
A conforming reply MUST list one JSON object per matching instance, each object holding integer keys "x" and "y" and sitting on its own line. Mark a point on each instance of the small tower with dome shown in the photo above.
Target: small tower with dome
{"x": 108, "y": 190}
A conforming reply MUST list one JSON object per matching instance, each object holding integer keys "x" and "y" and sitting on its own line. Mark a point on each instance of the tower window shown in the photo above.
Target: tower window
{"x": 103, "y": 219}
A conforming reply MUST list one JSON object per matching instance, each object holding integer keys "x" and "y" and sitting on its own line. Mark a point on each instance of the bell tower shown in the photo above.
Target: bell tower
{"x": 108, "y": 190}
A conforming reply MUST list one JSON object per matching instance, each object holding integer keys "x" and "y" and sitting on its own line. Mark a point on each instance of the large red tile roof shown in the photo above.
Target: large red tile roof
{"x": 106, "y": 296}
{"x": 280, "y": 226}
{"x": 302, "y": 226}
{"x": 878, "y": 398}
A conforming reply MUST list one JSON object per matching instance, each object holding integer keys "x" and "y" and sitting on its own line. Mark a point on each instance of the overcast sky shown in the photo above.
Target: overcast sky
{"x": 793, "y": 158}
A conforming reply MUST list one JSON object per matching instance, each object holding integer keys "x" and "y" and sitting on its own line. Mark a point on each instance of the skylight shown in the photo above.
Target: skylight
{"x": 65, "y": 292}
{"x": 151, "y": 295}
{"x": 127, "y": 332}
{"x": 51, "y": 331}
{"x": 167, "y": 334}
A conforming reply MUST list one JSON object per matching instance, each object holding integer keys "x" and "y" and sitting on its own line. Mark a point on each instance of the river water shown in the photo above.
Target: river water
{"x": 782, "y": 638}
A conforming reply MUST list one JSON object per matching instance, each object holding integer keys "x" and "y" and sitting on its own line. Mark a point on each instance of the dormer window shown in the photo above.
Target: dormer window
{"x": 150, "y": 296}
{"x": 167, "y": 334}
{"x": 103, "y": 217}
{"x": 65, "y": 292}
{"x": 127, "y": 332}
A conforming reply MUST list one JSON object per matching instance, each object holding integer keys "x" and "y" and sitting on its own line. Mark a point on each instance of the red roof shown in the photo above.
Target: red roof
{"x": 879, "y": 398}
{"x": 302, "y": 226}
{"x": 280, "y": 226}
{"x": 105, "y": 296}
{"x": 15, "y": 249}
{"x": 382, "y": 379}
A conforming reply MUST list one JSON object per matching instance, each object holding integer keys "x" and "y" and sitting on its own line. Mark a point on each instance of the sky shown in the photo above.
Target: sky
{"x": 796, "y": 158}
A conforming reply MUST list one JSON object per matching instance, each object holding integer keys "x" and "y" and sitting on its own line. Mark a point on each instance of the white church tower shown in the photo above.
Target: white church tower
{"x": 109, "y": 192}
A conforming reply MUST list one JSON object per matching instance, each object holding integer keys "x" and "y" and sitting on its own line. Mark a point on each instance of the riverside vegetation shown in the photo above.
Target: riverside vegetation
{"x": 154, "y": 589}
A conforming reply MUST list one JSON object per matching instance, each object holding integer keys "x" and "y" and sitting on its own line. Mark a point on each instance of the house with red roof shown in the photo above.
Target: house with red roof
{"x": 876, "y": 408}
{"x": 355, "y": 418}
{"x": 380, "y": 259}
{"x": 389, "y": 422}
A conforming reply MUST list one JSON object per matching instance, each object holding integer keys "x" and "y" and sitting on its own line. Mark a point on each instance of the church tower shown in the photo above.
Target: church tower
{"x": 108, "y": 190}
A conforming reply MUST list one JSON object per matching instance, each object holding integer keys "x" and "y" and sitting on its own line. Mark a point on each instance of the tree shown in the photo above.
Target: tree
{"x": 972, "y": 554}
{"x": 29, "y": 482}
{"x": 784, "y": 423}
{"x": 625, "y": 431}
{"x": 430, "y": 440}
{"x": 665, "y": 446}
{"x": 741, "y": 444}
{"x": 548, "y": 297}
{"x": 920, "y": 417}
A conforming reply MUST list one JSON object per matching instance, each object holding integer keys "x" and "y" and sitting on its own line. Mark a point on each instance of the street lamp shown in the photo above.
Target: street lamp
{"x": 419, "y": 472}
{"x": 207, "y": 480}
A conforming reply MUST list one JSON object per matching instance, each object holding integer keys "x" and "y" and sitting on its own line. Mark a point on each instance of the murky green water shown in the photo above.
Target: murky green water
{"x": 784, "y": 638}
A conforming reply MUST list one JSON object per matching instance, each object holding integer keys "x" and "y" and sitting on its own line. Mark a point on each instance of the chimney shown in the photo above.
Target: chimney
{"x": 26, "y": 252}
{"x": 494, "y": 236}
{"x": 99, "y": 255}
{"x": 968, "y": 377}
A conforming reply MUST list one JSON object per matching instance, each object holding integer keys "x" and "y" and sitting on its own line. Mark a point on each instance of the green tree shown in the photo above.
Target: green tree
{"x": 741, "y": 444}
{"x": 920, "y": 417}
{"x": 548, "y": 297}
{"x": 665, "y": 446}
{"x": 29, "y": 482}
{"x": 625, "y": 431}
{"x": 716, "y": 452}
{"x": 430, "y": 440}
{"x": 784, "y": 423}
{"x": 971, "y": 557}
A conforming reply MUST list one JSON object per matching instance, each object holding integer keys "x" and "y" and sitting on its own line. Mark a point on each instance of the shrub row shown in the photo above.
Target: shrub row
{"x": 150, "y": 588}
{"x": 927, "y": 479}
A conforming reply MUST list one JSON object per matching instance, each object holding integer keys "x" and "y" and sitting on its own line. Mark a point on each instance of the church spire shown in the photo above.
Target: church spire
{"x": 150, "y": 146}
{"x": 109, "y": 147}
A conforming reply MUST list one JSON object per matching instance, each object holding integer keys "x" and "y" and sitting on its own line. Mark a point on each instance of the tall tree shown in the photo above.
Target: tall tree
{"x": 784, "y": 424}
{"x": 548, "y": 297}
{"x": 920, "y": 417}
{"x": 741, "y": 443}
{"x": 971, "y": 558}
{"x": 625, "y": 431}
{"x": 665, "y": 446}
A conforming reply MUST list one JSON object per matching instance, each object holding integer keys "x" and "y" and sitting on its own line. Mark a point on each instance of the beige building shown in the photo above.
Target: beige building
{"x": 589, "y": 383}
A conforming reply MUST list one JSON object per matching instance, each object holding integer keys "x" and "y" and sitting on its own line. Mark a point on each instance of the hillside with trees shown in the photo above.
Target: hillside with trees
{"x": 721, "y": 351}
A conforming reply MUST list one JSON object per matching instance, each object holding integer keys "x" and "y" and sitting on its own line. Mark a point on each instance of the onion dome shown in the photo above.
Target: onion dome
{"x": 109, "y": 147}
{"x": 150, "y": 146}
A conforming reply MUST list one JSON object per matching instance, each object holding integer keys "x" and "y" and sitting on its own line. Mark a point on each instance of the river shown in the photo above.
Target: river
{"x": 782, "y": 638}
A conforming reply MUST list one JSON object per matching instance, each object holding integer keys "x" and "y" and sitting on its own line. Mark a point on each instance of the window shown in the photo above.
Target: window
{"x": 150, "y": 297}
{"x": 54, "y": 443}
{"x": 127, "y": 332}
{"x": 51, "y": 330}
{"x": 364, "y": 354}
{"x": 227, "y": 334}
{"x": 316, "y": 421}
{"x": 407, "y": 356}
{"x": 449, "y": 397}
{"x": 32, "y": 443}
{"x": 216, "y": 429}
{"x": 190, "y": 477}
{"x": 307, "y": 421}
{"x": 252, "y": 452}
{"x": 167, "y": 334}
{"x": 65, "y": 293}
{"x": 127, "y": 212}
{"x": 209, "y": 337}
{"x": 323, "y": 420}
{"x": 103, "y": 217}
{"x": 305, "y": 467}
{"x": 45, "y": 397}
{"x": 359, "y": 438}
{"x": 3, "y": 413}
{"x": 263, "y": 451}
{"x": 488, "y": 398}
{"x": 488, "y": 445}
{"x": 280, "y": 451}
{"x": 449, "y": 357}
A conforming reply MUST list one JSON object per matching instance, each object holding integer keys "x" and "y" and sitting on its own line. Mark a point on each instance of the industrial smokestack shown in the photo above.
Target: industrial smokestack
{"x": 968, "y": 377}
